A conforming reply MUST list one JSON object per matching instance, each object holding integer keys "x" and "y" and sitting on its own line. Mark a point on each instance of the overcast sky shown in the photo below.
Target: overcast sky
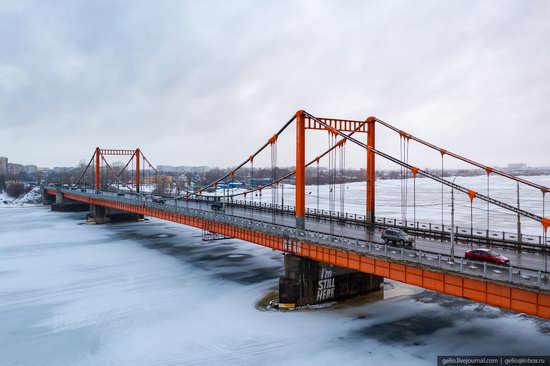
{"x": 206, "y": 82}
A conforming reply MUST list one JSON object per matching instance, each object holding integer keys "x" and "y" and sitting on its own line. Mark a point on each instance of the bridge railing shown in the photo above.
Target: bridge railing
{"x": 512, "y": 275}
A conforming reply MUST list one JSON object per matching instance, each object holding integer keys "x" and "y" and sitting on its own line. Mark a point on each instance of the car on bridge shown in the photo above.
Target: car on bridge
{"x": 217, "y": 206}
{"x": 487, "y": 255}
{"x": 158, "y": 199}
{"x": 397, "y": 236}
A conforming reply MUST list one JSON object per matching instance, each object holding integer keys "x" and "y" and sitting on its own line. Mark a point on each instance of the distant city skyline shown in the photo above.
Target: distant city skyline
{"x": 33, "y": 168}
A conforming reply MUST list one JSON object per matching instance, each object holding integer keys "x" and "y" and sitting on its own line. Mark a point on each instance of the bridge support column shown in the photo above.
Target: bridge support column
{"x": 309, "y": 282}
{"x": 47, "y": 199}
{"x": 371, "y": 172}
{"x": 102, "y": 215}
{"x": 58, "y": 197}
{"x": 138, "y": 178}
{"x": 63, "y": 204}
{"x": 300, "y": 170}
{"x": 97, "y": 170}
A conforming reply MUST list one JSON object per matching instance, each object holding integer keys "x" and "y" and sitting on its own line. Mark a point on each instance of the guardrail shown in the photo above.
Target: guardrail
{"x": 512, "y": 275}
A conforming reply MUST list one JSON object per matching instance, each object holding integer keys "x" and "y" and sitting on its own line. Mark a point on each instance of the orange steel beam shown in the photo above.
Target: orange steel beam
{"x": 371, "y": 175}
{"x": 300, "y": 169}
{"x": 138, "y": 152}
{"x": 507, "y": 296}
{"x": 97, "y": 176}
{"x": 343, "y": 125}
{"x": 106, "y": 152}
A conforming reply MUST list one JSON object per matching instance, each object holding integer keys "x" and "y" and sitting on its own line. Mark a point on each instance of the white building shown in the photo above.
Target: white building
{"x": 520, "y": 166}
{"x": 3, "y": 165}
{"x": 30, "y": 169}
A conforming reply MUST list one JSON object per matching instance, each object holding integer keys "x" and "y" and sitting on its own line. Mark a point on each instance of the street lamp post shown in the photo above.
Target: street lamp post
{"x": 453, "y": 221}
{"x": 224, "y": 198}
{"x": 544, "y": 232}
{"x": 545, "y": 252}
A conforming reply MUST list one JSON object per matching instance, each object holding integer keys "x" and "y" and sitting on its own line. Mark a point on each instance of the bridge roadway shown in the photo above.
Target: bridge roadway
{"x": 524, "y": 260}
{"x": 527, "y": 260}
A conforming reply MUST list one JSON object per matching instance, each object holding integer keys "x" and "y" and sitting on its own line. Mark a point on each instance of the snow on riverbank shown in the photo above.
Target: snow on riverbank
{"x": 34, "y": 197}
{"x": 152, "y": 293}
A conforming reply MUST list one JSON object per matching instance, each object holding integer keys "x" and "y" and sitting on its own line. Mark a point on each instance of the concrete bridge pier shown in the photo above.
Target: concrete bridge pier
{"x": 63, "y": 204}
{"x": 102, "y": 215}
{"x": 306, "y": 281}
{"x": 47, "y": 199}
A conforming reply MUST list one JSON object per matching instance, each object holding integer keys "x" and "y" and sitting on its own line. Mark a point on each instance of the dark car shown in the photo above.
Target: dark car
{"x": 487, "y": 255}
{"x": 397, "y": 236}
{"x": 158, "y": 199}
{"x": 216, "y": 206}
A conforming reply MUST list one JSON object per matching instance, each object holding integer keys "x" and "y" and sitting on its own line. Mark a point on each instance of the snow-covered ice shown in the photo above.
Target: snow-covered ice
{"x": 152, "y": 293}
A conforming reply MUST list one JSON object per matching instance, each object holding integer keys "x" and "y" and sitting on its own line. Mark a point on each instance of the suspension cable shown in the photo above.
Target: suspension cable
{"x": 464, "y": 159}
{"x": 123, "y": 169}
{"x": 85, "y": 170}
{"x": 250, "y": 157}
{"x": 115, "y": 177}
{"x": 434, "y": 177}
{"x": 442, "y": 193}
{"x": 291, "y": 173}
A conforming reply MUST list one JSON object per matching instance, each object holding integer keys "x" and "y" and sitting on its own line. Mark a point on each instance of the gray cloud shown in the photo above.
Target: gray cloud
{"x": 206, "y": 82}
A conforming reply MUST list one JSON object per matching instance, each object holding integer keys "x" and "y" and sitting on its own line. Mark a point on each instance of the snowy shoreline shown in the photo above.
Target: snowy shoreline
{"x": 32, "y": 198}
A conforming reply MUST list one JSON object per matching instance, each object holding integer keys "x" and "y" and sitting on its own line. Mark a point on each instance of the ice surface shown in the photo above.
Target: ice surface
{"x": 152, "y": 293}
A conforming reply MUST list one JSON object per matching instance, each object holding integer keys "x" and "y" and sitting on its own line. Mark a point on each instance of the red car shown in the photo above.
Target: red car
{"x": 487, "y": 255}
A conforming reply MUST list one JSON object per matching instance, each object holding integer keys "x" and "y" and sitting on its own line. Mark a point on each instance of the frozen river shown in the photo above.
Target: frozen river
{"x": 152, "y": 293}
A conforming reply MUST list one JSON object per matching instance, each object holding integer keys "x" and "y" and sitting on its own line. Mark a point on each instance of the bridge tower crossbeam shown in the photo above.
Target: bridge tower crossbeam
{"x": 305, "y": 122}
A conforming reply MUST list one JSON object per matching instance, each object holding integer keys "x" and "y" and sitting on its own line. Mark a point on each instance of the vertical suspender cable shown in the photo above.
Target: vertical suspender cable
{"x": 519, "y": 217}
{"x": 401, "y": 175}
{"x": 406, "y": 171}
{"x": 329, "y": 176}
{"x": 343, "y": 176}
{"x": 282, "y": 194}
{"x": 334, "y": 172}
{"x": 544, "y": 215}
{"x": 317, "y": 185}
{"x": 442, "y": 199}
{"x": 252, "y": 179}
{"x": 414, "y": 200}
{"x": 488, "y": 226}
{"x": 332, "y": 208}
{"x": 544, "y": 233}
{"x": 274, "y": 188}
